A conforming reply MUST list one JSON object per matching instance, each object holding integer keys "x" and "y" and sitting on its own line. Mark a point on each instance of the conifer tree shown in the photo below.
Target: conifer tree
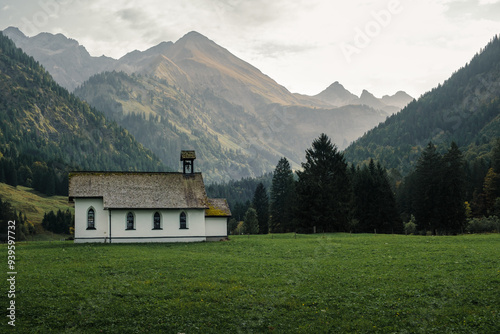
{"x": 453, "y": 196}
{"x": 428, "y": 189}
{"x": 282, "y": 198}
{"x": 261, "y": 205}
{"x": 323, "y": 189}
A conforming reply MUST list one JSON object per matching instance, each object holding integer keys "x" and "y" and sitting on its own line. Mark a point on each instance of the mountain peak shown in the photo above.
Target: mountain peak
{"x": 366, "y": 94}
{"x": 14, "y": 31}
{"x": 193, "y": 36}
{"x": 336, "y": 95}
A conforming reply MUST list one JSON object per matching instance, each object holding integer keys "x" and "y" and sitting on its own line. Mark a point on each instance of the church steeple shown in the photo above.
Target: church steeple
{"x": 187, "y": 158}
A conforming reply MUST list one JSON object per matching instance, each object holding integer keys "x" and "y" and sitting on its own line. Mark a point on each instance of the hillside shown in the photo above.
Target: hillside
{"x": 231, "y": 141}
{"x": 46, "y": 131}
{"x": 33, "y": 204}
{"x": 464, "y": 109}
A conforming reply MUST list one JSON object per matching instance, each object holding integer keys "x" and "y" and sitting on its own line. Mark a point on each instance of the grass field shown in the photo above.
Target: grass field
{"x": 334, "y": 283}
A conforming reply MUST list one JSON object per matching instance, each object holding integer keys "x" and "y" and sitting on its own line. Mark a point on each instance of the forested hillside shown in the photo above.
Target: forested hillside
{"x": 464, "y": 109}
{"x": 166, "y": 119}
{"x": 45, "y": 131}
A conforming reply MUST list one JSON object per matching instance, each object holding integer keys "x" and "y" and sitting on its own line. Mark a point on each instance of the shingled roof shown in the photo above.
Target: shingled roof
{"x": 217, "y": 207}
{"x": 136, "y": 190}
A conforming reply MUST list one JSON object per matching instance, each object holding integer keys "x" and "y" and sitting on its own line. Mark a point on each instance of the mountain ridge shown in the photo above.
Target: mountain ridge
{"x": 337, "y": 95}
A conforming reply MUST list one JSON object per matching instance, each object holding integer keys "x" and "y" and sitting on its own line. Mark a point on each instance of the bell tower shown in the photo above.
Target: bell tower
{"x": 187, "y": 158}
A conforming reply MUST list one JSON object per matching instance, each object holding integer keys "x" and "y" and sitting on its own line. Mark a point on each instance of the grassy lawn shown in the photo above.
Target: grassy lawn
{"x": 333, "y": 283}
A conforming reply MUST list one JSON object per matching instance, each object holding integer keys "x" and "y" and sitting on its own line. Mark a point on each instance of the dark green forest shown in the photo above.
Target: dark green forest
{"x": 328, "y": 195}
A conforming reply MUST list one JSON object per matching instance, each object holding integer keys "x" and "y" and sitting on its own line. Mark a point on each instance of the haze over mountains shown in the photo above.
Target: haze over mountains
{"x": 337, "y": 95}
{"x": 195, "y": 94}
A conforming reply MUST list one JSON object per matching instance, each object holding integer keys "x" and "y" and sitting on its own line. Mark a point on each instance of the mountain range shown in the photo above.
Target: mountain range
{"x": 195, "y": 94}
{"x": 337, "y": 95}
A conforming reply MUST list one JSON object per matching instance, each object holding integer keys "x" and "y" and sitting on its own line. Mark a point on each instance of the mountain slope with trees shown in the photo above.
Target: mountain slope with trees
{"x": 464, "y": 109}
{"x": 46, "y": 131}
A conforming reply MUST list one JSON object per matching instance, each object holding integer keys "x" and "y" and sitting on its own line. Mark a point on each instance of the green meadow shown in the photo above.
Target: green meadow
{"x": 332, "y": 283}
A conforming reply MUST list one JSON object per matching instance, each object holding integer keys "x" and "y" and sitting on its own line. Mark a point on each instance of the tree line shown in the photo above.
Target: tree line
{"x": 328, "y": 195}
{"x": 23, "y": 227}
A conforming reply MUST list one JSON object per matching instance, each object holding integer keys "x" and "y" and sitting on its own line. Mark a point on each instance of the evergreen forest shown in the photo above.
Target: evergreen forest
{"x": 329, "y": 195}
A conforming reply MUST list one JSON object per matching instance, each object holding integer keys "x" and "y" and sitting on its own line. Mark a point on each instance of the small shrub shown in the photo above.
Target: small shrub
{"x": 410, "y": 227}
{"x": 483, "y": 225}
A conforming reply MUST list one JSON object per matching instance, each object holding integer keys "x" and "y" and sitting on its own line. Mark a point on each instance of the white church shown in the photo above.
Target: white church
{"x": 119, "y": 207}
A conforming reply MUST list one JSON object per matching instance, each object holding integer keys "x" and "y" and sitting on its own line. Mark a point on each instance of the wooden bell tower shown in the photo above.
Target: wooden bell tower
{"x": 187, "y": 158}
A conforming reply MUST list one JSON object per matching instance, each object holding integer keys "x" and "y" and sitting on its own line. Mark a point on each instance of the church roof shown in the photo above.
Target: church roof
{"x": 138, "y": 190}
{"x": 217, "y": 207}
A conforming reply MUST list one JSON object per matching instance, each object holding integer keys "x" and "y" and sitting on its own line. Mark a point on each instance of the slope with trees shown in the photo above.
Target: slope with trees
{"x": 46, "y": 131}
{"x": 464, "y": 109}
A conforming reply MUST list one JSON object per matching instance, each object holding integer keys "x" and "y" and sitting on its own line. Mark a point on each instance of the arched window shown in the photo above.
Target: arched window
{"x": 183, "y": 220}
{"x": 91, "y": 219}
{"x": 130, "y": 221}
{"x": 156, "y": 221}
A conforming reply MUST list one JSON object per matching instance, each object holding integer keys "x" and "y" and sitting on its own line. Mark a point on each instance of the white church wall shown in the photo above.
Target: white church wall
{"x": 216, "y": 228}
{"x": 170, "y": 226}
{"x": 101, "y": 222}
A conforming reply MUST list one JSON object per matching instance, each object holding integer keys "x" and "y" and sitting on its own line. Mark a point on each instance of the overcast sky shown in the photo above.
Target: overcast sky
{"x": 379, "y": 45}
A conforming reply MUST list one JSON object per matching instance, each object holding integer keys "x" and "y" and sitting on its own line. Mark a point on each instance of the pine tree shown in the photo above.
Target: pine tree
{"x": 428, "y": 189}
{"x": 282, "y": 191}
{"x": 261, "y": 205}
{"x": 453, "y": 196}
{"x": 323, "y": 189}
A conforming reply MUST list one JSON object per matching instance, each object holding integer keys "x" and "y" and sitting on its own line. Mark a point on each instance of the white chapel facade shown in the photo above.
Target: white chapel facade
{"x": 119, "y": 207}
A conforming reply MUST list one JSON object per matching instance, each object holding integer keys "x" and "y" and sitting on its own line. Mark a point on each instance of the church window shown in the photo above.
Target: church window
{"x": 91, "y": 219}
{"x": 156, "y": 221}
{"x": 130, "y": 221}
{"x": 183, "y": 220}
